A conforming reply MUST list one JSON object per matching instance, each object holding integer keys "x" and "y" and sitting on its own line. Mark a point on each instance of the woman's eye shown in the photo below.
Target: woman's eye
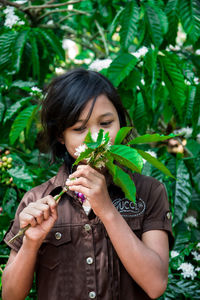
{"x": 80, "y": 129}
{"x": 106, "y": 123}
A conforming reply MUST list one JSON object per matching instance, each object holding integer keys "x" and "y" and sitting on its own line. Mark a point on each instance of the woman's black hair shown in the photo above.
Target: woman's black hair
{"x": 66, "y": 97}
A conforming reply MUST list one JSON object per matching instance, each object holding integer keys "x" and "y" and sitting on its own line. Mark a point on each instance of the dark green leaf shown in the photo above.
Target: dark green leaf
{"x": 155, "y": 162}
{"x": 121, "y": 134}
{"x": 129, "y": 23}
{"x": 13, "y": 109}
{"x": 121, "y": 67}
{"x": 10, "y": 202}
{"x": 127, "y": 157}
{"x": 150, "y": 138}
{"x": 183, "y": 189}
{"x": 21, "y": 122}
{"x": 122, "y": 180}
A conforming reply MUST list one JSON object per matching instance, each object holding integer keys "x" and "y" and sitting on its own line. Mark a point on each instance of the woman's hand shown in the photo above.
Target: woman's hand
{"x": 41, "y": 215}
{"x": 93, "y": 185}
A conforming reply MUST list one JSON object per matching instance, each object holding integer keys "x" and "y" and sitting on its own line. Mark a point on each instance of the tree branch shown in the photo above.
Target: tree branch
{"x": 63, "y": 10}
{"x": 51, "y": 5}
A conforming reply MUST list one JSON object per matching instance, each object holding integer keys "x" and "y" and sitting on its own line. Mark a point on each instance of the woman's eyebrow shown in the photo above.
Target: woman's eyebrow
{"x": 99, "y": 117}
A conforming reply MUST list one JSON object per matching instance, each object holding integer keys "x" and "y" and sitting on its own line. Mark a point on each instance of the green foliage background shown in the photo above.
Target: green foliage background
{"x": 154, "y": 47}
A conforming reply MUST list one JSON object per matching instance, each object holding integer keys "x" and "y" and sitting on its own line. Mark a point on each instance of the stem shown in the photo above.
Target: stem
{"x": 23, "y": 230}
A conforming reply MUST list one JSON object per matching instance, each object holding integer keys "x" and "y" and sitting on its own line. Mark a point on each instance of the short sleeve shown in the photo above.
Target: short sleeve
{"x": 14, "y": 226}
{"x": 158, "y": 215}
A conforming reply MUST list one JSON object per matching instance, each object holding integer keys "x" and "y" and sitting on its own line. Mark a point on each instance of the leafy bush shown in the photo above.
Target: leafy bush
{"x": 150, "y": 50}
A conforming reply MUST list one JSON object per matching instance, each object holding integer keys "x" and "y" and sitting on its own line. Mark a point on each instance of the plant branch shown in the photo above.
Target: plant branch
{"x": 63, "y": 10}
{"x": 51, "y": 5}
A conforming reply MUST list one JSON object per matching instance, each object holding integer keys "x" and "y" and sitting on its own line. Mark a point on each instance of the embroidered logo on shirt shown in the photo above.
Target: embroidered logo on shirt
{"x": 128, "y": 209}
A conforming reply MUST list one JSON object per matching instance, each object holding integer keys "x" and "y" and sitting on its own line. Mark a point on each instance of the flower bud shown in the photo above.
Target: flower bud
{"x": 9, "y": 159}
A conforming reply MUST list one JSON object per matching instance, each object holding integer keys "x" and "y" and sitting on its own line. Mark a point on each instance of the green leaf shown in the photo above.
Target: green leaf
{"x": 127, "y": 157}
{"x": 129, "y": 23}
{"x": 155, "y": 162}
{"x": 122, "y": 180}
{"x": 21, "y": 177}
{"x": 35, "y": 57}
{"x": 190, "y": 97}
{"x": 154, "y": 24}
{"x": 10, "y": 202}
{"x": 150, "y": 138}
{"x": 6, "y": 44}
{"x": 115, "y": 21}
{"x": 21, "y": 122}
{"x": 121, "y": 67}
{"x": 190, "y": 15}
{"x": 2, "y": 108}
{"x": 140, "y": 115}
{"x": 182, "y": 193}
{"x": 18, "y": 48}
{"x": 53, "y": 41}
{"x": 174, "y": 80}
{"x": 83, "y": 156}
{"x": 13, "y": 109}
{"x": 196, "y": 112}
{"x": 172, "y": 11}
{"x": 121, "y": 134}
{"x": 23, "y": 84}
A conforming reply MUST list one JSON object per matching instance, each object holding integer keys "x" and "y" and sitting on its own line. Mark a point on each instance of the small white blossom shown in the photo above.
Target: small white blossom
{"x": 99, "y": 64}
{"x": 174, "y": 253}
{"x": 35, "y": 90}
{"x": 196, "y": 255}
{"x": 197, "y": 52}
{"x": 140, "y": 52}
{"x": 187, "y": 132}
{"x": 197, "y": 269}
{"x": 100, "y": 164}
{"x": 191, "y": 221}
{"x": 187, "y": 270}
{"x": 196, "y": 80}
{"x": 142, "y": 82}
{"x": 80, "y": 149}
{"x": 11, "y": 18}
{"x": 198, "y": 245}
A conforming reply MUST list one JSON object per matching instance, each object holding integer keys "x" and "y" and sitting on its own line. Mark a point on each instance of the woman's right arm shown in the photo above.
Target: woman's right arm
{"x": 18, "y": 274}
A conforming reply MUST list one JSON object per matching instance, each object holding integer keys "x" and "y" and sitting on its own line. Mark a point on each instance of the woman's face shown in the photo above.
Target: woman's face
{"x": 104, "y": 115}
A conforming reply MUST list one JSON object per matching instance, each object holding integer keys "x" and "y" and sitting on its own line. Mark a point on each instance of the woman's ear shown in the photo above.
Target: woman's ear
{"x": 61, "y": 140}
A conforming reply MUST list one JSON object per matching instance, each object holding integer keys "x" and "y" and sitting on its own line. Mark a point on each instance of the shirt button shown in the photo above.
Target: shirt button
{"x": 169, "y": 215}
{"x": 87, "y": 227}
{"x": 58, "y": 235}
{"x": 89, "y": 260}
{"x": 92, "y": 295}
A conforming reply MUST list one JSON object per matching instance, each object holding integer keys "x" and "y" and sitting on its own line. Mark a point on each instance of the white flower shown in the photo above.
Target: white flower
{"x": 141, "y": 52}
{"x": 196, "y": 255}
{"x": 197, "y": 52}
{"x": 80, "y": 149}
{"x": 100, "y": 164}
{"x": 94, "y": 136}
{"x": 191, "y": 221}
{"x": 198, "y": 245}
{"x": 174, "y": 253}
{"x": 187, "y": 132}
{"x": 187, "y": 270}
{"x": 197, "y": 269}
{"x": 11, "y": 18}
{"x": 35, "y": 90}
{"x": 99, "y": 64}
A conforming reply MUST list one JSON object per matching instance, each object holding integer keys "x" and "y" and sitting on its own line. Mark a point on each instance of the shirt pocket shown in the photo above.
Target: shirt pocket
{"x": 49, "y": 255}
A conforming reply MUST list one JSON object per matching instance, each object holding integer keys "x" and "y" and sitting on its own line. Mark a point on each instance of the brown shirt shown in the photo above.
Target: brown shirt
{"x": 77, "y": 260}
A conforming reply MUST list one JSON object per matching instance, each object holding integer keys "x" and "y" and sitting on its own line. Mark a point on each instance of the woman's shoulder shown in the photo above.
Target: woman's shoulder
{"x": 46, "y": 187}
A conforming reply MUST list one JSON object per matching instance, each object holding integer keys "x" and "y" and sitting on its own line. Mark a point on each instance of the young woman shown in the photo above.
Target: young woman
{"x": 106, "y": 247}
